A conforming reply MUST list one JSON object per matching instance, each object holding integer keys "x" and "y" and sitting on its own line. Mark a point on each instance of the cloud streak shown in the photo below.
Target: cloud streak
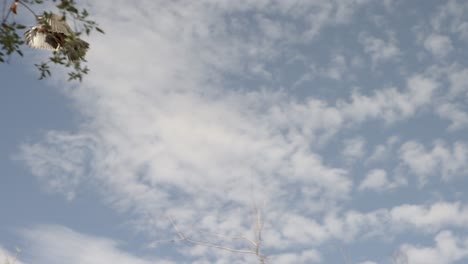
{"x": 57, "y": 244}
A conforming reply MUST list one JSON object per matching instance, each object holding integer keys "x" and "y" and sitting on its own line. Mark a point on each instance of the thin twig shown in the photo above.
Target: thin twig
{"x": 184, "y": 238}
{"x": 27, "y": 7}
{"x": 344, "y": 255}
{"x": 220, "y": 247}
{"x": 259, "y": 224}
{"x": 4, "y": 9}
{"x": 229, "y": 238}
{"x": 7, "y": 15}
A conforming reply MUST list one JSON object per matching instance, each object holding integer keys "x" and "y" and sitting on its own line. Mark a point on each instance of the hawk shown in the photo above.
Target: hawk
{"x": 53, "y": 33}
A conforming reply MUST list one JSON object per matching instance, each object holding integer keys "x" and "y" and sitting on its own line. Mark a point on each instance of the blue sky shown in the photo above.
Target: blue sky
{"x": 343, "y": 122}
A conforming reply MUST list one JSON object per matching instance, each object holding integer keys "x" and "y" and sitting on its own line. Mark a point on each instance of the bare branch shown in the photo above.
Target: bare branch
{"x": 184, "y": 238}
{"x": 220, "y": 247}
{"x": 400, "y": 257}
{"x": 229, "y": 238}
{"x": 344, "y": 255}
{"x": 176, "y": 228}
{"x": 28, "y": 8}
{"x": 255, "y": 244}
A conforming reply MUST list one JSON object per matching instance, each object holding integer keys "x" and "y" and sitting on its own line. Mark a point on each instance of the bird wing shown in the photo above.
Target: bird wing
{"x": 38, "y": 40}
{"x": 57, "y": 24}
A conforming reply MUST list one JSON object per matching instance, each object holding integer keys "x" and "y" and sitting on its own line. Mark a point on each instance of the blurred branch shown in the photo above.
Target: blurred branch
{"x": 182, "y": 237}
{"x": 255, "y": 244}
{"x": 400, "y": 257}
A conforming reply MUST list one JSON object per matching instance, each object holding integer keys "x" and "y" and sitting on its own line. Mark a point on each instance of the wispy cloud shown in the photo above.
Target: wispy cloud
{"x": 438, "y": 45}
{"x": 448, "y": 248}
{"x": 380, "y": 50}
{"x": 9, "y": 257}
{"x": 390, "y": 104}
{"x": 354, "y": 149}
{"x": 57, "y": 244}
{"x": 383, "y": 152}
{"x": 375, "y": 180}
{"x": 448, "y": 162}
{"x": 458, "y": 82}
{"x": 454, "y": 113}
{"x": 62, "y": 165}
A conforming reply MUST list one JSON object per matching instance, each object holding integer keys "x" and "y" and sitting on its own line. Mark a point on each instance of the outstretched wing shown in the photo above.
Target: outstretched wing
{"x": 38, "y": 39}
{"x": 56, "y": 23}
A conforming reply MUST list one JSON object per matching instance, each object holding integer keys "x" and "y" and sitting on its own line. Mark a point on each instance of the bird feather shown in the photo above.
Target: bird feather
{"x": 39, "y": 40}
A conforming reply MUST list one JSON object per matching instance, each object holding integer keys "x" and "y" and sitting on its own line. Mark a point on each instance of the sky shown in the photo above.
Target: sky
{"x": 341, "y": 124}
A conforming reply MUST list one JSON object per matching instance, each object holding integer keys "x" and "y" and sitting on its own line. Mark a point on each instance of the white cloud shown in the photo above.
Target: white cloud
{"x": 451, "y": 17}
{"x": 383, "y": 152}
{"x": 7, "y": 257}
{"x": 379, "y": 49}
{"x": 390, "y": 104}
{"x": 375, "y": 180}
{"x": 441, "y": 160}
{"x": 320, "y": 14}
{"x": 159, "y": 129}
{"x": 462, "y": 29}
{"x": 354, "y": 149}
{"x": 439, "y": 45}
{"x": 62, "y": 163}
{"x": 314, "y": 233}
{"x": 452, "y": 112}
{"x": 58, "y": 244}
{"x": 188, "y": 145}
{"x": 274, "y": 29}
{"x": 430, "y": 218}
{"x": 448, "y": 249}
{"x": 351, "y": 226}
{"x": 459, "y": 82}
{"x": 153, "y": 142}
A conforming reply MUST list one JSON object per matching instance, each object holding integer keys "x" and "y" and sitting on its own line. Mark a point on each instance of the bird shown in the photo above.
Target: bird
{"x": 53, "y": 33}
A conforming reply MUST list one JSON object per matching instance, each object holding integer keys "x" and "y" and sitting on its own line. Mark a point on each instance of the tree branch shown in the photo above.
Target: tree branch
{"x": 28, "y": 8}
{"x": 184, "y": 238}
{"x": 231, "y": 238}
